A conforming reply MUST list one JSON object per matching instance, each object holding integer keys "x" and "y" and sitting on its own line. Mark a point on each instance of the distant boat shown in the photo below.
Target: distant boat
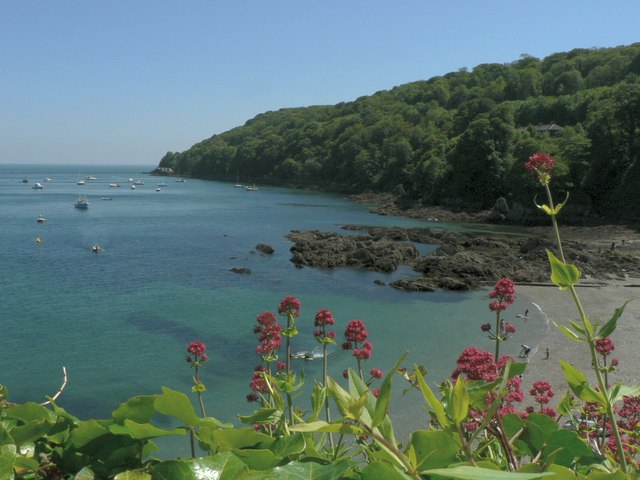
{"x": 251, "y": 188}
{"x": 238, "y": 185}
{"x": 158, "y": 189}
{"x": 80, "y": 182}
{"x": 106, "y": 198}
{"x": 180, "y": 180}
{"x": 82, "y": 202}
{"x": 138, "y": 182}
{"x": 48, "y": 179}
{"x": 161, "y": 185}
{"x": 25, "y": 180}
{"x": 114, "y": 185}
{"x": 133, "y": 187}
{"x": 96, "y": 248}
{"x": 91, "y": 177}
{"x": 37, "y": 186}
{"x": 41, "y": 219}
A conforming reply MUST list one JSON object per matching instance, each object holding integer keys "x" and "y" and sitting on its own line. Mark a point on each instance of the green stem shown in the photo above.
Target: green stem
{"x": 604, "y": 389}
{"x": 288, "y": 343}
{"x": 325, "y": 367}
{"x": 497, "y": 336}
{"x": 397, "y": 453}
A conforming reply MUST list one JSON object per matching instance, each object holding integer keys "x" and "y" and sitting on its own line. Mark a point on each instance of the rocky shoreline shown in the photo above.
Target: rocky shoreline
{"x": 465, "y": 261}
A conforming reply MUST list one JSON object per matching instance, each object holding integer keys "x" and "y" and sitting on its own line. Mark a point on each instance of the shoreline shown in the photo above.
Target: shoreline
{"x": 599, "y": 302}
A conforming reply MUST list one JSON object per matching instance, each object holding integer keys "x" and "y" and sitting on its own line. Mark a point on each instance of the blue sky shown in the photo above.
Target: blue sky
{"x": 125, "y": 81}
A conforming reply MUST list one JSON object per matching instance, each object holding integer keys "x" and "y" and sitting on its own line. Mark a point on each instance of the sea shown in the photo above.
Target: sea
{"x": 119, "y": 320}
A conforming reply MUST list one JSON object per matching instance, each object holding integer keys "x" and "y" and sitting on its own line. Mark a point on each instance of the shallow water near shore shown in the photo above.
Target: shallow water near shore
{"x": 120, "y": 320}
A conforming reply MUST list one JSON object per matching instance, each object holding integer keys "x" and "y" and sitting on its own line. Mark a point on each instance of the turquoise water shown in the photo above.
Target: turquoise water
{"x": 120, "y": 320}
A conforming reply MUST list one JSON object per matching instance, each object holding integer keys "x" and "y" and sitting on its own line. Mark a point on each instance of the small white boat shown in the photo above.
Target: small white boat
{"x": 82, "y": 202}
{"x": 37, "y": 186}
{"x": 106, "y": 198}
{"x": 133, "y": 187}
{"x": 81, "y": 182}
{"x": 138, "y": 182}
{"x": 180, "y": 180}
{"x": 158, "y": 189}
{"x": 114, "y": 185}
{"x": 41, "y": 219}
{"x": 48, "y": 179}
{"x": 251, "y": 188}
{"x": 238, "y": 185}
{"x": 161, "y": 185}
{"x": 96, "y": 248}
{"x": 91, "y": 177}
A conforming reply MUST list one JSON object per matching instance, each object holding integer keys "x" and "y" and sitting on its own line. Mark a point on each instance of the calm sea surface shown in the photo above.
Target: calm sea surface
{"x": 120, "y": 320}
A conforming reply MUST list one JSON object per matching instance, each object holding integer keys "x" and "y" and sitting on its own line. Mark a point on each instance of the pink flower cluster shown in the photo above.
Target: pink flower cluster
{"x": 289, "y": 306}
{"x": 540, "y": 162}
{"x": 504, "y": 292}
{"x": 323, "y": 319}
{"x": 197, "y": 353}
{"x": 258, "y": 382}
{"x": 269, "y": 334}
{"x": 476, "y": 364}
{"x": 604, "y": 346}
{"x": 356, "y": 335}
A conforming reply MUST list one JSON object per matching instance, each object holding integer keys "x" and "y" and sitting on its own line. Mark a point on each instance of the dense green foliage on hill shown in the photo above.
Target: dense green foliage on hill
{"x": 457, "y": 140}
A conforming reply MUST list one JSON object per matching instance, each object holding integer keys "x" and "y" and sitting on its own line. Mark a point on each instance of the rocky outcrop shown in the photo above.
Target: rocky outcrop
{"x": 461, "y": 261}
{"x": 265, "y": 248}
{"x": 330, "y": 250}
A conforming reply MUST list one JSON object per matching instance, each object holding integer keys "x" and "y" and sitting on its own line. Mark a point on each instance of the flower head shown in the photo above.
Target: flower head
{"x": 541, "y": 164}
{"x": 289, "y": 306}
{"x": 604, "y": 346}
{"x": 503, "y": 292}
{"x": 196, "y": 355}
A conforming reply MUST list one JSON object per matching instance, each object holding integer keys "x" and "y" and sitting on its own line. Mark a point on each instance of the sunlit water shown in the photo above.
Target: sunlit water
{"x": 120, "y": 320}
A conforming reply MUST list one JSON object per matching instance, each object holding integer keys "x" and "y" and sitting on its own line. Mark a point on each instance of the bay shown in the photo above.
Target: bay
{"x": 119, "y": 321}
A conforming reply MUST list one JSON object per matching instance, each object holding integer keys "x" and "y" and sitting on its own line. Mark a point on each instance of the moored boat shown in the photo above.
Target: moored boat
{"x": 82, "y": 202}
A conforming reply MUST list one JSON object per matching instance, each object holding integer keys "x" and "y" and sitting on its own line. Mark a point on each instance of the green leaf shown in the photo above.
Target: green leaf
{"x": 382, "y": 470}
{"x": 432, "y": 400}
{"x": 341, "y": 396}
{"x": 382, "y": 402}
{"x": 475, "y": 473}
{"x": 579, "y": 386}
{"x": 85, "y": 474}
{"x": 177, "y": 405}
{"x": 259, "y": 416}
{"x": 289, "y": 445}
{"x": 322, "y": 426}
{"x": 459, "y": 401}
{"x": 7, "y": 460}
{"x": 318, "y": 399}
{"x": 30, "y": 432}
{"x": 565, "y": 406}
{"x": 562, "y": 274}
{"x": 223, "y": 466}
{"x": 29, "y": 412}
{"x": 257, "y": 459}
{"x": 434, "y": 448}
{"x": 570, "y": 334}
{"x": 567, "y": 446}
{"x": 308, "y": 471}
{"x": 626, "y": 391}
{"x": 609, "y": 327}
{"x": 139, "y": 409}
{"x": 133, "y": 475}
{"x": 87, "y": 431}
{"x": 142, "y": 431}
{"x": 234, "y": 438}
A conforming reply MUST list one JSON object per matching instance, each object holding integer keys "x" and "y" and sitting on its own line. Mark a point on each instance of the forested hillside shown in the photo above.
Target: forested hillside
{"x": 457, "y": 140}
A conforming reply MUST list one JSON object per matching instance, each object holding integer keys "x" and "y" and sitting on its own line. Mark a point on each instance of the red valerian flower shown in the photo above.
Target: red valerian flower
{"x": 323, "y": 318}
{"x": 252, "y": 397}
{"x": 376, "y": 373}
{"x": 485, "y": 327}
{"x": 541, "y": 165}
{"x": 540, "y": 162}
{"x": 356, "y": 331}
{"x": 269, "y": 333}
{"x": 196, "y": 353}
{"x": 543, "y": 393}
{"x": 510, "y": 328}
{"x": 289, "y": 306}
{"x": 376, "y": 392}
{"x": 504, "y": 293}
{"x": 604, "y": 346}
